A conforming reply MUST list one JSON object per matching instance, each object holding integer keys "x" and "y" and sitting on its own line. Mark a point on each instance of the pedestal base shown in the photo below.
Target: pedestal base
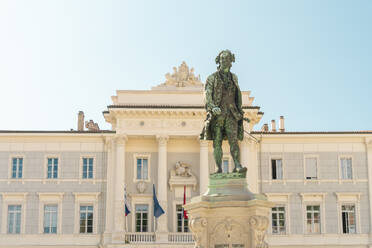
{"x": 229, "y": 215}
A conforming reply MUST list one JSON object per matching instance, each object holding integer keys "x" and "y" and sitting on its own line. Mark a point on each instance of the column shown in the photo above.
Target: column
{"x": 109, "y": 185}
{"x": 248, "y": 158}
{"x": 204, "y": 166}
{"x": 119, "y": 184}
{"x": 162, "y": 189}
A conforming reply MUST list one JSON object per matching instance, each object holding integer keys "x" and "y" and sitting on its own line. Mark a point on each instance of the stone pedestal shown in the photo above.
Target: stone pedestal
{"x": 228, "y": 215}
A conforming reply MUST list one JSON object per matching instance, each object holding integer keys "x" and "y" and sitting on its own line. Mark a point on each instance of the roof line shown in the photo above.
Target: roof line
{"x": 171, "y": 106}
{"x": 56, "y": 131}
{"x": 313, "y": 132}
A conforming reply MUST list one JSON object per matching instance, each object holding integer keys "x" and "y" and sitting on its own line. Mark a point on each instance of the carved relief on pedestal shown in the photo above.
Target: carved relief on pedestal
{"x": 197, "y": 226}
{"x": 228, "y": 232}
{"x": 181, "y": 176}
{"x": 259, "y": 225}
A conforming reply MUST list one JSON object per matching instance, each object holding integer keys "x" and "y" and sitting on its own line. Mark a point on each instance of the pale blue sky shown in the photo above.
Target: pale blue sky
{"x": 307, "y": 60}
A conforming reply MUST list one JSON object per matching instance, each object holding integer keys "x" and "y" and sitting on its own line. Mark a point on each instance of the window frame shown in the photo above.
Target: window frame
{"x": 52, "y": 198}
{"x": 281, "y": 199}
{"x": 142, "y": 156}
{"x": 86, "y": 198}
{"x": 348, "y": 198}
{"x": 86, "y": 211}
{"x": 316, "y": 156}
{"x": 271, "y": 180}
{"x": 81, "y": 164}
{"x": 175, "y": 203}
{"x": 141, "y": 199}
{"x": 46, "y": 157}
{"x": 311, "y": 199}
{"x": 148, "y": 218}
{"x": 10, "y": 166}
{"x": 11, "y": 198}
{"x": 353, "y": 176}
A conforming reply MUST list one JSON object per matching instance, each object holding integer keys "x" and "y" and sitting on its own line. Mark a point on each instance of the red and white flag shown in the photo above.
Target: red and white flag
{"x": 184, "y": 202}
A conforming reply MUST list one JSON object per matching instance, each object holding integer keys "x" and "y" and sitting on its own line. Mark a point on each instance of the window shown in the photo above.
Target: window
{"x": 346, "y": 168}
{"x": 142, "y": 168}
{"x": 313, "y": 219}
{"x": 348, "y": 219}
{"x": 277, "y": 169}
{"x": 142, "y": 211}
{"x": 87, "y": 168}
{"x": 278, "y": 220}
{"x": 311, "y": 168}
{"x": 14, "y": 218}
{"x": 225, "y": 166}
{"x": 17, "y": 167}
{"x": 86, "y": 219}
{"x": 52, "y": 168}
{"x": 50, "y": 218}
{"x": 182, "y": 223}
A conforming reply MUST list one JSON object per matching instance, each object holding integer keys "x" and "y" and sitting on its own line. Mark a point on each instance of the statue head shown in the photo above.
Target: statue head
{"x": 224, "y": 60}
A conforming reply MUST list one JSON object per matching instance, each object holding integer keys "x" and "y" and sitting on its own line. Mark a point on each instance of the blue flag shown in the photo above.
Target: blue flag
{"x": 158, "y": 211}
{"x": 127, "y": 211}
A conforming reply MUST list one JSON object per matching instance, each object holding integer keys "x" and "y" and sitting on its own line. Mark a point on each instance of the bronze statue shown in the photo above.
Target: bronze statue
{"x": 224, "y": 111}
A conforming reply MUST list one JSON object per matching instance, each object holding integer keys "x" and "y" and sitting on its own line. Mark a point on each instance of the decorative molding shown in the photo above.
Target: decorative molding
{"x": 181, "y": 176}
{"x": 50, "y": 198}
{"x": 13, "y": 198}
{"x": 86, "y": 198}
{"x": 141, "y": 187}
{"x": 197, "y": 226}
{"x": 120, "y": 139}
{"x": 259, "y": 225}
{"x": 348, "y": 196}
{"x": 142, "y": 155}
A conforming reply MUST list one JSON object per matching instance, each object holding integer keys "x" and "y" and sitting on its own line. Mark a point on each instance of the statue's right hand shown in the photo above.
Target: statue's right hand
{"x": 216, "y": 111}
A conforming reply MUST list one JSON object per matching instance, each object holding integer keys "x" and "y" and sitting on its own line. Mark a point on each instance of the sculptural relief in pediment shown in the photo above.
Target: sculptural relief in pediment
{"x": 182, "y": 77}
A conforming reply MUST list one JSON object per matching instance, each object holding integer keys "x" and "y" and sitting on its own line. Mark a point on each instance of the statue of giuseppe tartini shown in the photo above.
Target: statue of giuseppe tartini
{"x": 224, "y": 111}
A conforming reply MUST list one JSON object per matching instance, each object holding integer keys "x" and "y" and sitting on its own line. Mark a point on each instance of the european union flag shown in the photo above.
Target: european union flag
{"x": 158, "y": 211}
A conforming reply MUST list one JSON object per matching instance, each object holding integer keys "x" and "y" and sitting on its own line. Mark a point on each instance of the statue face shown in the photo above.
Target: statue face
{"x": 225, "y": 61}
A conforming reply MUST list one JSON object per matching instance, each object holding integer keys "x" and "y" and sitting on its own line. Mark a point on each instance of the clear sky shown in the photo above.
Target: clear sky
{"x": 307, "y": 60}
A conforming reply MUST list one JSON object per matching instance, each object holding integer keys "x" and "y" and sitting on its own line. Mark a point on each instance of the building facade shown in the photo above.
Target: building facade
{"x": 68, "y": 188}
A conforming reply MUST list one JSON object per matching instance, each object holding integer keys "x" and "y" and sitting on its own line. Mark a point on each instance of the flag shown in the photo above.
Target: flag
{"x": 127, "y": 211}
{"x": 184, "y": 203}
{"x": 158, "y": 211}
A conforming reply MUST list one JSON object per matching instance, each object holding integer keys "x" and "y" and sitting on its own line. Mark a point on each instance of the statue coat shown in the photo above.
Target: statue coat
{"x": 213, "y": 98}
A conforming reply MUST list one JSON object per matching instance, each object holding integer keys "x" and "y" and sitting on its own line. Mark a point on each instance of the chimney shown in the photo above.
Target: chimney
{"x": 265, "y": 127}
{"x": 281, "y": 124}
{"x": 273, "y": 126}
{"x": 80, "y": 121}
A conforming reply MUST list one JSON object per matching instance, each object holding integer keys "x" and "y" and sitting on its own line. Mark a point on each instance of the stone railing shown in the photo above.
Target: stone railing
{"x": 179, "y": 237}
{"x": 140, "y": 237}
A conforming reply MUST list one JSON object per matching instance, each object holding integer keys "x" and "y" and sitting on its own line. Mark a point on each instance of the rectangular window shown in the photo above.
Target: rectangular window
{"x": 348, "y": 219}
{"x": 14, "y": 218}
{"x": 278, "y": 220}
{"x": 142, "y": 168}
{"x": 17, "y": 167}
{"x": 86, "y": 219}
{"x": 50, "y": 218}
{"x": 346, "y": 168}
{"x": 225, "y": 166}
{"x": 311, "y": 168}
{"x": 142, "y": 211}
{"x": 52, "y": 168}
{"x": 182, "y": 223}
{"x": 276, "y": 169}
{"x": 87, "y": 168}
{"x": 313, "y": 219}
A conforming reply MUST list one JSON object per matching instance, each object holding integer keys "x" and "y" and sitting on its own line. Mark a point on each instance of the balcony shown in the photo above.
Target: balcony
{"x": 150, "y": 237}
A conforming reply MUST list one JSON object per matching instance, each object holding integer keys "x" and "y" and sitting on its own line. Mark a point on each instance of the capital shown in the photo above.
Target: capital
{"x": 162, "y": 139}
{"x": 107, "y": 141}
{"x": 203, "y": 143}
{"x": 369, "y": 142}
{"x": 120, "y": 139}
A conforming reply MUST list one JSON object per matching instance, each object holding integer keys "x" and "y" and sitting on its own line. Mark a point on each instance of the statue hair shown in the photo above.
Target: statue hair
{"x": 231, "y": 55}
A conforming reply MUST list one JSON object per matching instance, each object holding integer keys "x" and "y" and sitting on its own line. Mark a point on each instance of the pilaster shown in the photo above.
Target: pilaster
{"x": 162, "y": 189}
{"x": 248, "y": 158}
{"x": 368, "y": 142}
{"x": 119, "y": 173}
{"x": 204, "y": 166}
{"x": 110, "y": 180}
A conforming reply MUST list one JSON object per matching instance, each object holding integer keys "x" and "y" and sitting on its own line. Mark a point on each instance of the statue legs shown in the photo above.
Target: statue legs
{"x": 217, "y": 148}
{"x": 231, "y": 128}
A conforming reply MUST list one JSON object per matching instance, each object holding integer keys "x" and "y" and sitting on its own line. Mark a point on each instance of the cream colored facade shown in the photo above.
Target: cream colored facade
{"x": 161, "y": 126}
